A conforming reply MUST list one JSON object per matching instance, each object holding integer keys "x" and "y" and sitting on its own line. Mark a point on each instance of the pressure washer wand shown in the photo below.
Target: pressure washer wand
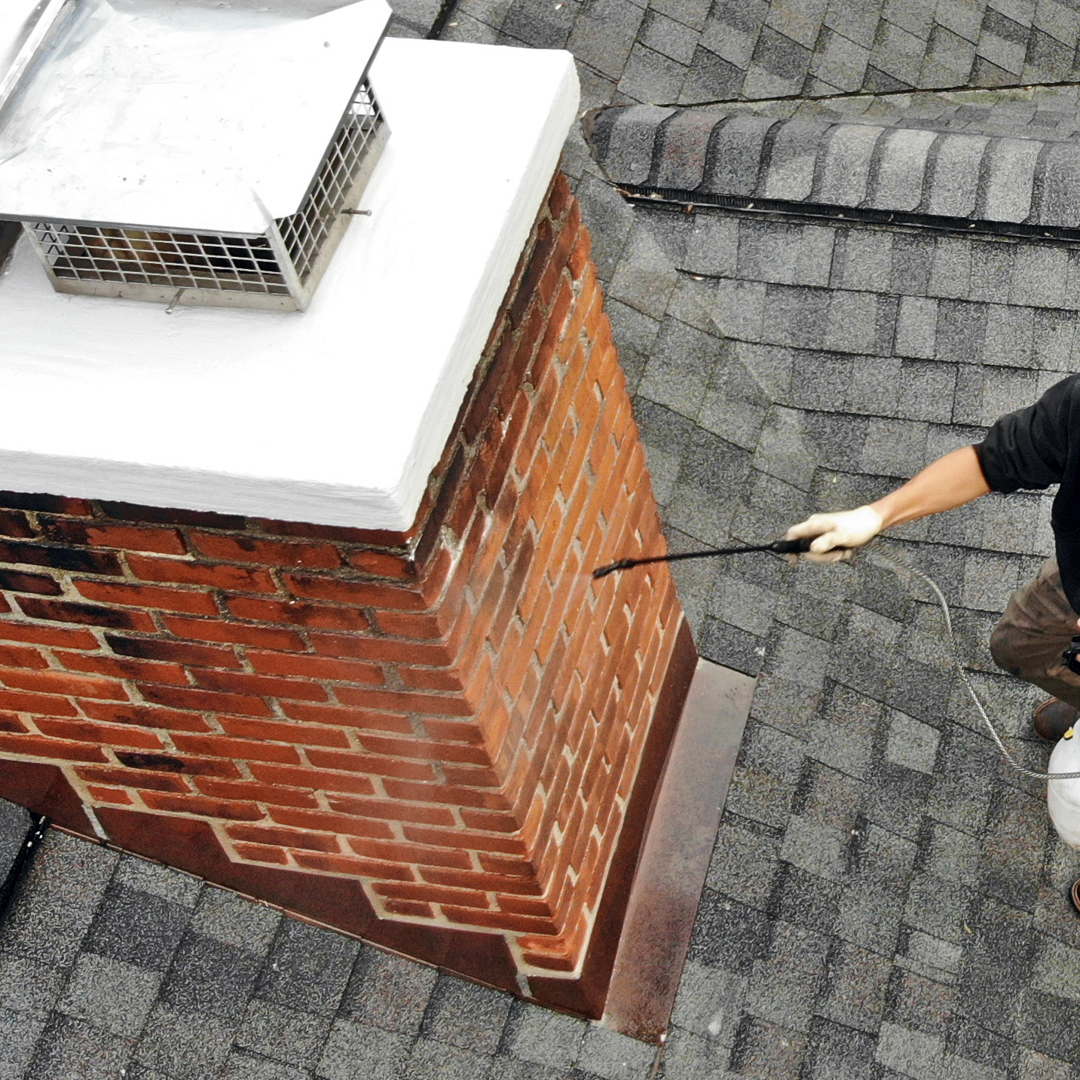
{"x": 781, "y": 547}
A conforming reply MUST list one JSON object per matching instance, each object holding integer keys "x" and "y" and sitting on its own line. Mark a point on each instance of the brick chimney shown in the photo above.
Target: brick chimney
{"x": 308, "y": 610}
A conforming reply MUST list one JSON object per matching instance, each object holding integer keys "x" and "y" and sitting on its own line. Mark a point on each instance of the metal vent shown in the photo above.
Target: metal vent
{"x": 277, "y": 270}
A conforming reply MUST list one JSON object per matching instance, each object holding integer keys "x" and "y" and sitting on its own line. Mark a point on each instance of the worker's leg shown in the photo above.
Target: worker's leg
{"x": 1035, "y": 630}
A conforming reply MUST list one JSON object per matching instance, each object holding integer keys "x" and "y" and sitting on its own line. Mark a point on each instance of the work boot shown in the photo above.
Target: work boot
{"x": 1052, "y": 718}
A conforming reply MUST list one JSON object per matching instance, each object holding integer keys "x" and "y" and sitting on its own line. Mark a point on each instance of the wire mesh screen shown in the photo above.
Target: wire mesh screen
{"x": 151, "y": 263}
{"x": 168, "y": 259}
{"x": 306, "y": 231}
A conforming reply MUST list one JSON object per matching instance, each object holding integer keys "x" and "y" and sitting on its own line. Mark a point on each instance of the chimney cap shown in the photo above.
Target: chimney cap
{"x": 205, "y": 115}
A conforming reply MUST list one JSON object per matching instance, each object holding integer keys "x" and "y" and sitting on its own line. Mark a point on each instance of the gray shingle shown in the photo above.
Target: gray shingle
{"x": 839, "y": 61}
{"x": 70, "y": 1047}
{"x": 232, "y": 919}
{"x": 901, "y": 169}
{"x": 796, "y": 316}
{"x": 1010, "y": 177}
{"x": 1039, "y": 276}
{"x": 604, "y": 34}
{"x": 430, "y": 1060}
{"x": 954, "y": 181}
{"x": 856, "y": 985}
{"x": 673, "y": 39}
{"x": 795, "y": 148}
{"x": 307, "y": 968}
{"x": 624, "y": 141}
{"x": 137, "y": 928}
{"x": 712, "y": 77}
{"x": 613, "y": 1056}
{"x": 111, "y": 995}
{"x": 735, "y": 153}
{"x": 688, "y": 1056}
{"x": 543, "y": 1037}
{"x": 183, "y": 1044}
{"x": 651, "y": 77}
{"x": 388, "y": 991}
{"x": 684, "y": 141}
{"x": 283, "y": 1034}
{"x": 209, "y": 975}
{"x": 51, "y": 912}
{"x": 359, "y": 1050}
{"x": 845, "y": 167}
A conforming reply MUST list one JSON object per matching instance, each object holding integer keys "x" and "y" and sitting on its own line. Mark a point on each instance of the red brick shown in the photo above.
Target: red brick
{"x": 499, "y": 920}
{"x": 425, "y": 749}
{"x": 460, "y": 876}
{"x": 296, "y": 613}
{"x": 248, "y": 549}
{"x": 11, "y": 722}
{"x": 322, "y": 821}
{"x": 279, "y": 731}
{"x": 106, "y": 735}
{"x": 377, "y": 765}
{"x": 286, "y": 838}
{"x": 113, "y": 796}
{"x": 376, "y": 649}
{"x": 443, "y": 793}
{"x": 40, "y": 746}
{"x": 347, "y": 716}
{"x": 392, "y": 851}
{"x": 316, "y": 667}
{"x": 358, "y": 593}
{"x": 15, "y": 525}
{"x": 187, "y": 601}
{"x": 400, "y": 701}
{"x": 144, "y": 716}
{"x": 38, "y": 704}
{"x": 409, "y": 908}
{"x": 488, "y": 820}
{"x": 247, "y": 790}
{"x": 178, "y": 697}
{"x": 242, "y": 749}
{"x": 91, "y": 615}
{"x": 217, "y": 630}
{"x": 382, "y": 564}
{"x": 420, "y": 813}
{"x": 261, "y": 854}
{"x": 14, "y": 656}
{"x": 313, "y": 779}
{"x": 351, "y": 866}
{"x": 41, "y": 584}
{"x": 409, "y": 624}
{"x": 172, "y": 674}
{"x": 173, "y": 651}
{"x": 236, "y": 682}
{"x": 432, "y": 894}
{"x": 60, "y": 682}
{"x": 211, "y": 575}
{"x": 125, "y": 537}
{"x": 135, "y": 779}
{"x": 199, "y": 804}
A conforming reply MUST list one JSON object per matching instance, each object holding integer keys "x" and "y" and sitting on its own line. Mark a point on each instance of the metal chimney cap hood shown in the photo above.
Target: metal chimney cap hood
{"x": 195, "y": 114}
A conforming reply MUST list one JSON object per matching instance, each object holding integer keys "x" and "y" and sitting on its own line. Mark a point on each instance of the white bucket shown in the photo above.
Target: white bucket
{"x": 1063, "y": 796}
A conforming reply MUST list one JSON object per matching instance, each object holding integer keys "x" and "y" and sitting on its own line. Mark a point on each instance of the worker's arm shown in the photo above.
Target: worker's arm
{"x": 951, "y": 481}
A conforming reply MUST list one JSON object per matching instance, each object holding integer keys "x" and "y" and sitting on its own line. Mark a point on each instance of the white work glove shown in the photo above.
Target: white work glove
{"x": 847, "y": 529}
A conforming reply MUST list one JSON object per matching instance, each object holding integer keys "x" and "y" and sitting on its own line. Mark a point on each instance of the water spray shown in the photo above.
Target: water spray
{"x": 1064, "y": 800}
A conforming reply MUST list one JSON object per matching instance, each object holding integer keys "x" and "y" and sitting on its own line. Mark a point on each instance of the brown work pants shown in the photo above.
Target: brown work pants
{"x": 1035, "y": 630}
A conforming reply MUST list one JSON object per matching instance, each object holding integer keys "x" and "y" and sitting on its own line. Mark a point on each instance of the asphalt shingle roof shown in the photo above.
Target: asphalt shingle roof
{"x": 885, "y": 900}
